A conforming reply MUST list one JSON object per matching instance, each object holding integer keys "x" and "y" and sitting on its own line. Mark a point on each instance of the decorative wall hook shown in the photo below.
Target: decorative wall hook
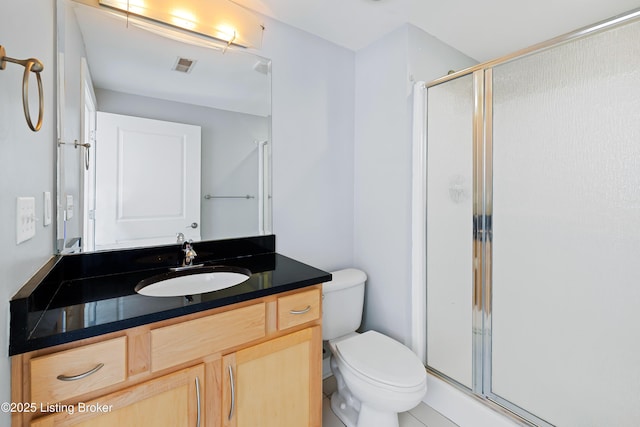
{"x": 31, "y": 65}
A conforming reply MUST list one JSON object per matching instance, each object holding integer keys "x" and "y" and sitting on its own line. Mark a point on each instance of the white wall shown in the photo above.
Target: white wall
{"x": 382, "y": 182}
{"x": 27, "y": 158}
{"x": 313, "y": 108}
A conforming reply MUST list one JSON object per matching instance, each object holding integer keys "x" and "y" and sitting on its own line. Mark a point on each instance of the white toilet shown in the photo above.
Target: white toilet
{"x": 377, "y": 376}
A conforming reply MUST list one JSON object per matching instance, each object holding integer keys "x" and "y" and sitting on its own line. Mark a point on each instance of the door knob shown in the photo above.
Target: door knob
{"x": 193, "y": 225}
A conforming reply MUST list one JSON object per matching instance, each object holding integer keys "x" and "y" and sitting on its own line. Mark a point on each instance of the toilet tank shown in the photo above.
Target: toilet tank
{"x": 343, "y": 299}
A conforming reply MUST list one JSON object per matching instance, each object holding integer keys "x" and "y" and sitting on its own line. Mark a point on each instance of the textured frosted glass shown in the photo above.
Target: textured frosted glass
{"x": 449, "y": 228}
{"x": 566, "y": 240}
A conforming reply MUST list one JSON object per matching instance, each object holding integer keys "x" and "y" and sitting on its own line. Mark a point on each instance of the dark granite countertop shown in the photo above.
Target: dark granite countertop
{"x": 80, "y": 296}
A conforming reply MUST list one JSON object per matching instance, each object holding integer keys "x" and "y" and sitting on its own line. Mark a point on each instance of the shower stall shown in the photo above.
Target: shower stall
{"x": 533, "y": 229}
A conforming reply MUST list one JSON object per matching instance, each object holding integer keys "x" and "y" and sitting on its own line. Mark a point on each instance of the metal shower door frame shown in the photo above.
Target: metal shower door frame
{"x": 482, "y": 143}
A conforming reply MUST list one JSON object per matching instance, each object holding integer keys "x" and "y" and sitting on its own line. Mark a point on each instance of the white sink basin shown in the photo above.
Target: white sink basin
{"x": 192, "y": 281}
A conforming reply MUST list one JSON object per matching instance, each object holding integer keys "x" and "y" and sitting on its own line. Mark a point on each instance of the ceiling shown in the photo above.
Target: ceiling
{"x": 483, "y": 30}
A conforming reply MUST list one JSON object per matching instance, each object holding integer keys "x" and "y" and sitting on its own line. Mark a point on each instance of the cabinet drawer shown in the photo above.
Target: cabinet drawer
{"x": 59, "y": 376}
{"x": 175, "y": 399}
{"x": 298, "y": 308}
{"x": 193, "y": 339}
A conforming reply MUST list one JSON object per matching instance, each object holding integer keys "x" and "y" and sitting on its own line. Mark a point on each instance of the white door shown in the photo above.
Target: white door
{"x": 147, "y": 181}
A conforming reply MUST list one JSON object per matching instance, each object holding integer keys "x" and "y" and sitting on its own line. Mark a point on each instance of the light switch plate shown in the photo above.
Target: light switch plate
{"x": 25, "y": 219}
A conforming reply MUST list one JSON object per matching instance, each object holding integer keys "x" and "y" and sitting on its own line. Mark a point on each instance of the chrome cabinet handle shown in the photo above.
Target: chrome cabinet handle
{"x": 233, "y": 393}
{"x": 198, "y": 397}
{"x": 80, "y": 376}
{"x": 303, "y": 311}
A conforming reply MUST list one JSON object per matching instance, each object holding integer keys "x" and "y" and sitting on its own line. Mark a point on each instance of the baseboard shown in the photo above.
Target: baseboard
{"x": 462, "y": 409}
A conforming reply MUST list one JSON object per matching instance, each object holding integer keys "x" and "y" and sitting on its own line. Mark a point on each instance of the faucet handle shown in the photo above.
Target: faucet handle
{"x": 180, "y": 238}
{"x": 188, "y": 249}
{"x": 189, "y": 252}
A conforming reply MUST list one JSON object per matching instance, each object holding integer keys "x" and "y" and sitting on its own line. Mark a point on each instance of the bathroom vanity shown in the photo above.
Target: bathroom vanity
{"x": 93, "y": 352}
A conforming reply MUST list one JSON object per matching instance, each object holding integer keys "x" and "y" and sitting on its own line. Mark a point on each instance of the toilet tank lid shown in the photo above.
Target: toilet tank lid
{"x": 346, "y": 278}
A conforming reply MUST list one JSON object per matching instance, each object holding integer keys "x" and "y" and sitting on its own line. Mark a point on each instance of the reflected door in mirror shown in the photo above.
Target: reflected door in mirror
{"x": 147, "y": 181}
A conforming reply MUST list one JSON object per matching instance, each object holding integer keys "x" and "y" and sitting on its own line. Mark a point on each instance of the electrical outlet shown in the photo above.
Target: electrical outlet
{"x": 47, "y": 209}
{"x": 25, "y": 219}
{"x": 69, "y": 206}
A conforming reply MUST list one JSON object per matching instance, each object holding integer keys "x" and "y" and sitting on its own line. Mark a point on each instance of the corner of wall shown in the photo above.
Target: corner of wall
{"x": 385, "y": 72}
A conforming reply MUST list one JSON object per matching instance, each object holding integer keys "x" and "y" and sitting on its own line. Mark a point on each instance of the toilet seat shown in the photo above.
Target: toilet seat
{"x": 382, "y": 361}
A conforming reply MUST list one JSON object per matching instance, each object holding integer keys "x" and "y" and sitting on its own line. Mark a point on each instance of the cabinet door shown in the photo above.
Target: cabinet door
{"x": 274, "y": 384}
{"x": 173, "y": 400}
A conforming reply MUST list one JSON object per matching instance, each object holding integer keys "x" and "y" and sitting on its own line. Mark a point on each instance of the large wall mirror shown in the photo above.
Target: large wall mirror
{"x": 163, "y": 134}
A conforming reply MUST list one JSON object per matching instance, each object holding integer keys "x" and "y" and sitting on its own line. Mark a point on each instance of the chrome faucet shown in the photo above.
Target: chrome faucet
{"x": 189, "y": 253}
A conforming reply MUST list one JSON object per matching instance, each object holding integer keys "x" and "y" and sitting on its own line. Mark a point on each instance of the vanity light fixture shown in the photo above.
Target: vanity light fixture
{"x": 184, "y": 19}
{"x": 221, "y": 20}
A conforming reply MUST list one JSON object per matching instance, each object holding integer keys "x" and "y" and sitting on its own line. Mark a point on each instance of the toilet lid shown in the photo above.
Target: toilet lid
{"x": 382, "y": 359}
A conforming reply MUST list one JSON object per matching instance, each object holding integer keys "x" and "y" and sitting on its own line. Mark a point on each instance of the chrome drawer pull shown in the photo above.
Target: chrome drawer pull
{"x": 81, "y": 376}
{"x": 303, "y": 311}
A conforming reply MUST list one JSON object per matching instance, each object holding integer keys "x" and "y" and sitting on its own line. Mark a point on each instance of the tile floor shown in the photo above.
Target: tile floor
{"x": 420, "y": 416}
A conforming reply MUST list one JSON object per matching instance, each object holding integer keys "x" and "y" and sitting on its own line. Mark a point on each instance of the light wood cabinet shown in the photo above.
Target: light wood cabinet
{"x": 181, "y": 371}
{"x": 298, "y": 308}
{"x": 276, "y": 383}
{"x": 175, "y": 399}
{"x": 182, "y": 342}
{"x": 74, "y": 372}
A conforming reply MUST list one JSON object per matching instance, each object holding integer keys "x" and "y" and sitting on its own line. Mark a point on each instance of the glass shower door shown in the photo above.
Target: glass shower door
{"x": 565, "y": 317}
{"x": 450, "y": 113}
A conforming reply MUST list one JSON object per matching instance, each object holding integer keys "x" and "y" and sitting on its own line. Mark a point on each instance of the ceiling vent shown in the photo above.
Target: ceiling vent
{"x": 184, "y": 65}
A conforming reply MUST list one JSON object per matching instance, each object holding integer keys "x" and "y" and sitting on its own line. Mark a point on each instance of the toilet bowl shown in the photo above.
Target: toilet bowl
{"x": 377, "y": 376}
